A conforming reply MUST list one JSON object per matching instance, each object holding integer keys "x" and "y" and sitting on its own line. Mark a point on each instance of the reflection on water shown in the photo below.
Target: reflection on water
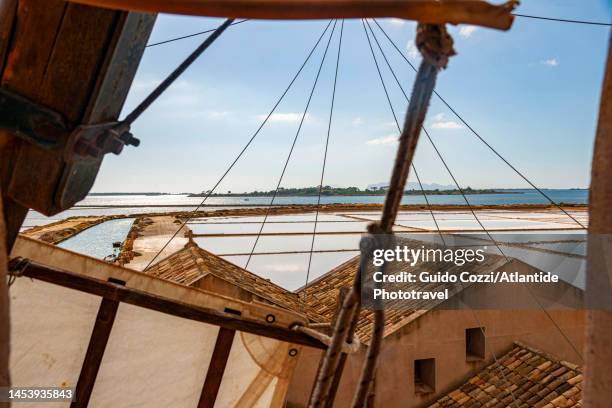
{"x": 98, "y": 240}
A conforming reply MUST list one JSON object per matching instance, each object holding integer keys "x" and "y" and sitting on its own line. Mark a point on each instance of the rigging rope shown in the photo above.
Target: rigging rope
{"x": 562, "y": 20}
{"x": 246, "y": 146}
{"x": 384, "y": 86}
{"x": 436, "y": 46}
{"x": 191, "y": 35}
{"x": 571, "y": 344}
{"x": 331, "y": 113}
{"x": 297, "y": 134}
{"x": 161, "y": 88}
{"x": 413, "y": 167}
{"x": 567, "y": 339}
{"x": 514, "y": 14}
{"x": 479, "y": 136}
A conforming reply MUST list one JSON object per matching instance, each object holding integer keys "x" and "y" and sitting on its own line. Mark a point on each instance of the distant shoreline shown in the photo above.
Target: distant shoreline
{"x": 360, "y": 193}
{"x": 349, "y": 192}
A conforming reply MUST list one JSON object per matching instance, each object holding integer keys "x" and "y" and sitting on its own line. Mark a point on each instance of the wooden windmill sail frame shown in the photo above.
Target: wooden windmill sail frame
{"x": 84, "y": 71}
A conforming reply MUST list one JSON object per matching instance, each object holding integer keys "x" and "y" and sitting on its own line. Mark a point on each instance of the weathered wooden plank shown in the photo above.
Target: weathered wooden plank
{"x": 216, "y": 368}
{"x": 5, "y": 337}
{"x": 165, "y": 305}
{"x": 56, "y": 53}
{"x": 118, "y": 70}
{"x": 22, "y": 19}
{"x": 95, "y": 352}
{"x": 76, "y": 59}
{"x": 427, "y": 11}
{"x": 335, "y": 384}
{"x": 8, "y": 11}
{"x": 54, "y": 59}
{"x": 32, "y": 42}
{"x": 14, "y": 214}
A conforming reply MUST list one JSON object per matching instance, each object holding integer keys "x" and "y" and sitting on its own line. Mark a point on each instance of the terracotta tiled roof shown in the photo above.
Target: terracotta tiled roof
{"x": 184, "y": 267}
{"x": 322, "y": 294}
{"x": 193, "y": 263}
{"x": 536, "y": 380}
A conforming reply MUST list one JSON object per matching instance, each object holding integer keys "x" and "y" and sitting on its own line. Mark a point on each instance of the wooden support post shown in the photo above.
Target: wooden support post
{"x": 8, "y": 11}
{"x": 14, "y": 213}
{"x": 216, "y": 368}
{"x": 5, "y": 339}
{"x": 333, "y": 390}
{"x": 598, "y": 353}
{"x": 344, "y": 291}
{"x": 95, "y": 351}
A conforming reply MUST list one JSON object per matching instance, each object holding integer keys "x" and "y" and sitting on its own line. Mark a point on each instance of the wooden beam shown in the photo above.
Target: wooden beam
{"x": 435, "y": 12}
{"x": 598, "y": 353}
{"x": 5, "y": 337}
{"x": 8, "y": 11}
{"x": 95, "y": 351}
{"x": 216, "y": 368}
{"x": 78, "y": 61}
{"x": 172, "y": 307}
{"x": 14, "y": 215}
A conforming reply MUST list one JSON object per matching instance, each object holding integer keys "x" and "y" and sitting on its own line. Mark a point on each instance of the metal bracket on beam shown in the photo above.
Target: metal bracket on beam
{"x": 46, "y": 128}
{"x": 94, "y": 141}
{"x": 30, "y": 121}
{"x": 83, "y": 147}
{"x": 55, "y": 169}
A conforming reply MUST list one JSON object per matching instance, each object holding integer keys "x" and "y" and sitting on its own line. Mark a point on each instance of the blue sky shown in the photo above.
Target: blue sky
{"x": 532, "y": 92}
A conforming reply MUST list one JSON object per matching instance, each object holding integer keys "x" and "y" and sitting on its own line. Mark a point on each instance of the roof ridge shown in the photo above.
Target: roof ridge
{"x": 198, "y": 260}
{"x": 168, "y": 256}
{"x": 549, "y": 356}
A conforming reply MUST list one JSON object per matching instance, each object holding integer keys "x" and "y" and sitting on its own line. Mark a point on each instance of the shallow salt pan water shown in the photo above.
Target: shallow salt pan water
{"x": 237, "y": 245}
{"x": 289, "y": 271}
{"x": 288, "y": 266}
{"x": 97, "y": 241}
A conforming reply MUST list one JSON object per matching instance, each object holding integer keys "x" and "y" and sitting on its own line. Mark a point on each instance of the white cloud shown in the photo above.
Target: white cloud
{"x": 357, "y": 121}
{"x": 439, "y": 121}
{"x": 467, "y": 31}
{"x": 386, "y": 140}
{"x": 413, "y": 51}
{"x": 449, "y": 124}
{"x": 438, "y": 117}
{"x": 287, "y": 117}
{"x": 551, "y": 62}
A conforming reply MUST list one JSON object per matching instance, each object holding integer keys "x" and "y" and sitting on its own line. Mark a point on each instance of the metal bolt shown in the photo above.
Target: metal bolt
{"x": 129, "y": 139}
